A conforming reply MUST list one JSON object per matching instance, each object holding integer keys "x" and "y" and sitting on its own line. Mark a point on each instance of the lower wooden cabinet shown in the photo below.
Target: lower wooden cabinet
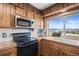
{"x": 54, "y": 51}
{"x": 68, "y": 53}
{"x": 44, "y": 48}
{"x": 8, "y": 52}
{"x": 51, "y": 48}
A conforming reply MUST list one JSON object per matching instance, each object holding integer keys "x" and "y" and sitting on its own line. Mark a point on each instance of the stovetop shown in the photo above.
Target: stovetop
{"x": 22, "y": 39}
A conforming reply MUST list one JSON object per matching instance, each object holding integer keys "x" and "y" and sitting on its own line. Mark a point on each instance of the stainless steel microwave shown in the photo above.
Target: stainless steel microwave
{"x": 23, "y": 22}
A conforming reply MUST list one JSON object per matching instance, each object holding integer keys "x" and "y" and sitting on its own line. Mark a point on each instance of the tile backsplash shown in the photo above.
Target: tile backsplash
{"x": 8, "y": 33}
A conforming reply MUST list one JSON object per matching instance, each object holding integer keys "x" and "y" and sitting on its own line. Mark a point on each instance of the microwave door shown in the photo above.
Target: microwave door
{"x": 23, "y": 23}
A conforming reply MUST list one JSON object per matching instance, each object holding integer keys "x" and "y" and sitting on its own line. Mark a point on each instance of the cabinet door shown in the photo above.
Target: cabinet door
{"x": 7, "y": 12}
{"x": 7, "y": 15}
{"x": 12, "y": 15}
{"x": 30, "y": 14}
{"x": 29, "y": 11}
{"x": 1, "y": 15}
{"x": 54, "y": 51}
{"x": 20, "y": 12}
{"x": 37, "y": 18}
{"x": 37, "y": 21}
{"x": 45, "y": 48}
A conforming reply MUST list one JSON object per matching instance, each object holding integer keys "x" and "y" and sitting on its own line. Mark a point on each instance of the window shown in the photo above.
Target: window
{"x": 72, "y": 24}
{"x": 68, "y": 25}
{"x": 55, "y": 26}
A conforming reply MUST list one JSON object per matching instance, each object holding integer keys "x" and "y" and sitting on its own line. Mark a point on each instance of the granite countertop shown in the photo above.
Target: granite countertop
{"x": 62, "y": 40}
{"x": 7, "y": 45}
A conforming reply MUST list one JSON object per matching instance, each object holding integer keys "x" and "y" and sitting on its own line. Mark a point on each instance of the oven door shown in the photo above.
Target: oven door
{"x": 28, "y": 49}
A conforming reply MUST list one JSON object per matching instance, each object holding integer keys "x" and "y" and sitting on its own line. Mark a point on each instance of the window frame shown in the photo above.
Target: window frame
{"x": 63, "y": 15}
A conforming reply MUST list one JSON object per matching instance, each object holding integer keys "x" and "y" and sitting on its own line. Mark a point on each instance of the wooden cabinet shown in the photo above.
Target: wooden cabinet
{"x": 54, "y": 51}
{"x": 1, "y": 15}
{"x": 7, "y": 13}
{"x": 30, "y": 11}
{"x": 44, "y": 46}
{"x": 20, "y": 12}
{"x": 12, "y": 15}
{"x": 68, "y": 53}
{"x": 47, "y": 49}
{"x": 21, "y": 5}
{"x": 8, "y": 52}
{"x": 51, "y": 48}
{"x": 30, "y": 14}
{"x": 37, "y": 18}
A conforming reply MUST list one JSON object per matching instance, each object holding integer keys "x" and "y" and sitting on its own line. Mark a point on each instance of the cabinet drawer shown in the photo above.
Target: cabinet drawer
{"x": 8, "y": 52}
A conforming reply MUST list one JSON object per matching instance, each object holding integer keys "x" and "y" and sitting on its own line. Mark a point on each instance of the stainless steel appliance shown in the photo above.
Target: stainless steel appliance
{"x": 26, "y": 45}
{"x": 23, "y": 22}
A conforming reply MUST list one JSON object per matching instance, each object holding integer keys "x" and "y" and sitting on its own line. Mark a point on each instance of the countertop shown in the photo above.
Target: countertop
{"x": 62, "y": 40}
{"x": 11, "y": 44}
{"x": 7, "y": 45}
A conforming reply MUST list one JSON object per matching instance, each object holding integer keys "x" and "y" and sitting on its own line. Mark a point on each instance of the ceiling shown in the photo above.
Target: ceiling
{"x": 41, "y": 6}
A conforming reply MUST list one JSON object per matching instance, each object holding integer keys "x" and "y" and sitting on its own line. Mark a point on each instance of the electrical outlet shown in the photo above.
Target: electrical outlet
{"x": 4, "y": 35}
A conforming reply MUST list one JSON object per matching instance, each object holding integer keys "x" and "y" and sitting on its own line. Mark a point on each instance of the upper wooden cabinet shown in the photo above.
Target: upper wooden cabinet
{"x": 20, "y": 12}
{"x": 30, "y": 11}
{"x": 7, "y": 13}
{"x": 37, "y": 18}
{"x": 21, "y": 5}
{"x": 1, "y": 15}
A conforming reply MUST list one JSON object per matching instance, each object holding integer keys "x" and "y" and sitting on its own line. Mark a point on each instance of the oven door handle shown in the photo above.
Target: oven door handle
{"x": 26, "y": 41}
{"x": 23, "y": 45}
{"x": 32, "y": 38}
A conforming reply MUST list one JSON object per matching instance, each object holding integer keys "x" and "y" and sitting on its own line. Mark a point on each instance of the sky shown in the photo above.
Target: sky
{"x": 72, "y": 22}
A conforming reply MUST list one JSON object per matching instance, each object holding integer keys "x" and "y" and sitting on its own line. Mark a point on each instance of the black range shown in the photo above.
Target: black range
{"x": 26, "y": 45}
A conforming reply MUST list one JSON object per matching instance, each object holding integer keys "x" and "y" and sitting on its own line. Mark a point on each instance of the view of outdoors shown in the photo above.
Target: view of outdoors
{"x": 56, "y": 25}
{"x": 72, "y": 24}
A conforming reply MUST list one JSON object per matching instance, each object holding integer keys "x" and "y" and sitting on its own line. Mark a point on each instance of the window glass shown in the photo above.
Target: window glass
{"x": 68, "y": 24}
{"x": 72, "y": 24}
{"x": 55, "y": 26}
